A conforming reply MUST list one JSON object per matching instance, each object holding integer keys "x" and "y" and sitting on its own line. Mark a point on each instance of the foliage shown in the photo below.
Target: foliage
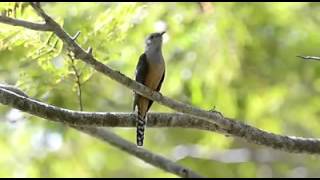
{"x": 239, "y": 58}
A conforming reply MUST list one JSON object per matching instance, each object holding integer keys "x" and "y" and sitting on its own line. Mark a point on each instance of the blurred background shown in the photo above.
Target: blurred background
{"x": 237, "y": 57}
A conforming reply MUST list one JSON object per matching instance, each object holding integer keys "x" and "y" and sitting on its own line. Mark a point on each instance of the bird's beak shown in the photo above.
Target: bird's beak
{"x": 162, "y": 33}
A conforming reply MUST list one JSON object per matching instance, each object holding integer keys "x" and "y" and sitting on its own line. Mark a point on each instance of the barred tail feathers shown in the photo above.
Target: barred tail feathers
{"x": 140, "y": 129}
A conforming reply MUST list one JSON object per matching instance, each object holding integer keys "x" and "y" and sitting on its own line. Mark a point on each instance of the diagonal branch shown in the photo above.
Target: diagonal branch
{"x": 90, "y": 119}
{"x": 26, "y": 24}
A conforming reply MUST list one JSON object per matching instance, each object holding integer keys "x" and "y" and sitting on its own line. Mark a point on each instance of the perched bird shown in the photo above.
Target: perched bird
{"x": 150, "y": 71}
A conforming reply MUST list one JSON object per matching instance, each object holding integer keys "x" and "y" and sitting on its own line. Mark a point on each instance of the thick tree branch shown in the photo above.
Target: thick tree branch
{"x": 13, "y": 89}
{"x": 76, "y": 118}
{"x": 18, "y": 99}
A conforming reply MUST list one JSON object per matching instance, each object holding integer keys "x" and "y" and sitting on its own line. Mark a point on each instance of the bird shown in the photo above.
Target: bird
{"x": 150, "y": 71}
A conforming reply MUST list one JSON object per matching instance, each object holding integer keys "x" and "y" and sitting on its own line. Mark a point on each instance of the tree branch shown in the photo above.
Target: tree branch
{"x": 94, "y": 119}
{"x": 13, "y": 89}
{"x": 26, "y": 24}
{"x": 78, "y": 81}
{"x": 16, "y": 98}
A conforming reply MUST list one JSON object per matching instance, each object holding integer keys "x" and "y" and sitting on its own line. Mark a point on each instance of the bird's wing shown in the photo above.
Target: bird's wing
{"x": 160, "y": 84}
{"x": 158, "y": 89}
{"x": 141, "y": 73}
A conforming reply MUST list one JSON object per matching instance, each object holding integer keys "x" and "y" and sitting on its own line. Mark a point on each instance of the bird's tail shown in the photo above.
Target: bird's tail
{"x": 140, "y": 129}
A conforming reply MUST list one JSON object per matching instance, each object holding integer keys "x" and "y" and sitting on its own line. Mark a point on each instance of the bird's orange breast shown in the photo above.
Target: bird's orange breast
{"x": 155, "y": 73}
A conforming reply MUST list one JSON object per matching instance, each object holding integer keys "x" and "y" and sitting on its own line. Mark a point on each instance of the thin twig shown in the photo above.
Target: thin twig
{"x": 89, "y": 51}
{"x": 78, "y": 81}
{"x": 76, "y": 35}
{"x": 310, "y": 57}
{"x": 50, "y": 50}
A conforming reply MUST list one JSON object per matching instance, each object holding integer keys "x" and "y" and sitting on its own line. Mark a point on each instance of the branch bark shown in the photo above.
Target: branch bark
{"x": 16, "y": 98}
{"x": 26, "y": 24}
{"x": 96, "y": 119}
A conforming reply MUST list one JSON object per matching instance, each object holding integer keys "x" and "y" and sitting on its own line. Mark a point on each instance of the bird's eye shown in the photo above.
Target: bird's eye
{"x": 151, "y": 37}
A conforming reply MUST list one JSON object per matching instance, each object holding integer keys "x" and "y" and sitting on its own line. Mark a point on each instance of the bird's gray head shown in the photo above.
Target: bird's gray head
{"x": 154, "y": 41}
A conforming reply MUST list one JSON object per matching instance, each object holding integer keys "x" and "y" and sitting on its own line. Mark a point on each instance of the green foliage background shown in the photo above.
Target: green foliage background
{"x": 239, "y": 58}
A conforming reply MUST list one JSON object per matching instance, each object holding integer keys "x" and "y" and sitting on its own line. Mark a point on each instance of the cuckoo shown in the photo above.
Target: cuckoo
{"x": 150, "y": 71}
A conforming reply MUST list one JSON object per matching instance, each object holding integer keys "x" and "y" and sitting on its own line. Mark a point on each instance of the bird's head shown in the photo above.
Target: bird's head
{"x": 154, "y": 40}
